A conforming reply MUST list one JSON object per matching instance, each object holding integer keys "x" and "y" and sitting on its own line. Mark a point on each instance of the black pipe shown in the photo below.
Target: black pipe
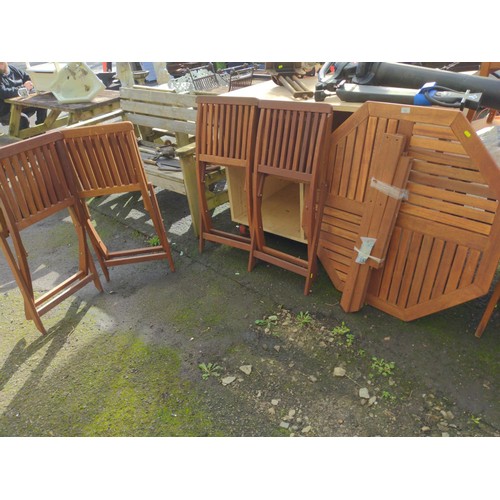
{"x": 414, "y": 77}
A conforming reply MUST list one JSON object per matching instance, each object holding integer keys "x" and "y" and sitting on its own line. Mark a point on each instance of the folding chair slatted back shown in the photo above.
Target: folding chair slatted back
{"x": 241, "y": 77}
{"x": 225, "y": 136}
{"x": 290, "y": 140}
{"x": 34, "y": 186}
{"x": 204, "y": 81}
{"x": 291, "y": 144}
{"x": 105, "y": 160}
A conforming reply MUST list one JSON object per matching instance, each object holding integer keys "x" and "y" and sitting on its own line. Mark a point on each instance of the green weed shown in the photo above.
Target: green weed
{"x": 475, "y": 420}
{"x": 209, "y": 370}
{"x": 267, "y": 322}
{"x": 383, "y": 367}
{"x": 154, "y": 241}
{"x": 304, "y": 318}
{"x": 341, "y": 329}
{"x": 388, "y": 396}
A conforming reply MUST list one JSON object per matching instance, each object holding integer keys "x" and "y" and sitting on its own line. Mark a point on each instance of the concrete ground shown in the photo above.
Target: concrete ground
{"x": 212, "y": 350}
{"x": 209, "y": 310}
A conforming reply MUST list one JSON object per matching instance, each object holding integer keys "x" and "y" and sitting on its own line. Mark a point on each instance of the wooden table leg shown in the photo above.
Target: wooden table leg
{"x": 15, "y": 120}
{"x": 495, "y": 298}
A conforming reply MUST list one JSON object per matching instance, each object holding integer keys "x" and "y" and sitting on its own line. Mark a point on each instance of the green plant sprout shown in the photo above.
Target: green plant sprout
{"x": 209, "y": 370}
{"x": 341, "y": 329}
{"x": 154, "y": 241}
{"x": 388, "y": 396}
{"x": 267, "y": 322}
{"x": 304, "y": 318}
{"x": 382, "y": 367}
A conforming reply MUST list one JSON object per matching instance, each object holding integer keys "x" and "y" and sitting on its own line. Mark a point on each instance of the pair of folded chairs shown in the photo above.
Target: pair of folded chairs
{"x": 60, "y": 170}
{"x": 264, "y": 138}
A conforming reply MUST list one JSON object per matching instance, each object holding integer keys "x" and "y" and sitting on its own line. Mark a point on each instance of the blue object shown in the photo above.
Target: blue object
{"x": 420, "y": 98}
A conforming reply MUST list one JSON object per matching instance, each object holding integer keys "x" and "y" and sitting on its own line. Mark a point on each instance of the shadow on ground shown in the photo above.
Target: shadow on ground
{"x": 125, "y": 362}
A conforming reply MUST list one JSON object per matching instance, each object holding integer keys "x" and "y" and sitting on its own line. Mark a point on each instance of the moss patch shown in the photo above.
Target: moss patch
{"x": 113, "y": 386}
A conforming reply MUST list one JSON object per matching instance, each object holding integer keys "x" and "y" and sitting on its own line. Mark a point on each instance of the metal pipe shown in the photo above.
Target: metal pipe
{"x": 409, "y": 76}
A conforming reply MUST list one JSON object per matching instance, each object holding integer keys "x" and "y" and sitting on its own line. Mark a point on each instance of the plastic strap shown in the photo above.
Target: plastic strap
{"x": 366, "y": 248}
{"x": 387, "y": 189}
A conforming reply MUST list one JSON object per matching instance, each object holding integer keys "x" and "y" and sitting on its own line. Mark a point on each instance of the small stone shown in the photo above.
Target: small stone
{"x": 425, "y": 428}
{"x": 246, "y": 369}
{"x": 363, "y": 393}
{"x": 291, "y": 413}
{"x": 445, "y": 435}
{"x": 284, "y": 424}
{"x": 275, "y": 402}
{"x": 338, "y": 371}
{"x": 312, "y": 378}
{"x": 273, "y": 318}
{"x": 306, "y": 429}
{"x": 228, "y": 380}
{"x": 340, "y": 421}
{"x": 372, "y": 400}
{"x": 449, "y": 415}
{"x": 271, "y": 410}
{"x": 277, "y": 348}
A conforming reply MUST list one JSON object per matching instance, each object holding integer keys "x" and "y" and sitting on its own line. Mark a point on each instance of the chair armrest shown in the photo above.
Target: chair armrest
{"x": 187, "y": 150}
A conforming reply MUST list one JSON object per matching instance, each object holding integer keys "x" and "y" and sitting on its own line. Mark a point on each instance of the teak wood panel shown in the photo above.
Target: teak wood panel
{"x": 446, "y": 243}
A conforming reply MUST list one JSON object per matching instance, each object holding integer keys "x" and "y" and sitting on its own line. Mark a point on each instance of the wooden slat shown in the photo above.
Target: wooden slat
{"x": 162, "y": 123}
{"x": 448, "y": 195}
{"x": 158, "y": 96}
{"x": 469, "y": 188}
{"x": 437, "y": 230}
{"x": 159, "y": 111}
{"x": 434, "y": 215}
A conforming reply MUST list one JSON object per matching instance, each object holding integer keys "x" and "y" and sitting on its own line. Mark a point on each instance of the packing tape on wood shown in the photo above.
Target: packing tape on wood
{"x": 387, "y": 189}
{"x": 364, "y": 252}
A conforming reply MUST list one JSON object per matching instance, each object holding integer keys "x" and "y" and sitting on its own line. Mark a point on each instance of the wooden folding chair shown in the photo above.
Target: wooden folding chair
{"x": 291, "y": 144}
{"x": 34, "y": 186}
{"x": 105, "y": 160}
{"x": 225, "y": 136}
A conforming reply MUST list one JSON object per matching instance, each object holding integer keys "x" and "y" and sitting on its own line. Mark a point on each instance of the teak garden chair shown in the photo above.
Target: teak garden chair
{"x": 225, "y": 136}
{"x": 105, "y": 160}
{"x": 33, "y": 186}
{"x": 291, "y": 144}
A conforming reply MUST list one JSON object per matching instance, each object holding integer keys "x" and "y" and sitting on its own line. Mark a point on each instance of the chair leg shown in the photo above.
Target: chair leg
{"x": 257, "y": 226}
{"x": 86, "y": 263}
{"x": 495, "y": 298}
{"x": 100, "y": 248}
{"x": 25, "y": 289}
{"x": 160, "y": 226}
{"x": 205, "y": 222}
